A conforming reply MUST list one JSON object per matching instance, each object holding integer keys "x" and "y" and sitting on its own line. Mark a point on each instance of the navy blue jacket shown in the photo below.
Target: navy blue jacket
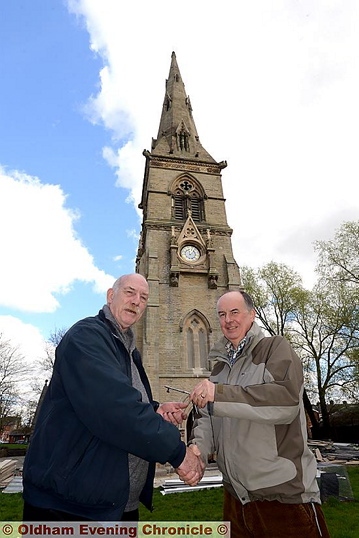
{"x": 90, "y": 419}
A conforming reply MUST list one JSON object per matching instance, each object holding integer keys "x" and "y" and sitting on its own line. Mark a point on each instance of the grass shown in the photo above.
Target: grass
{"x": 206, "y": 505}
{"x": 343, "y": 517}
{"x": 13, "y": 445}
{"x": 202, "y": 505}
{"x": 11, "y": 507}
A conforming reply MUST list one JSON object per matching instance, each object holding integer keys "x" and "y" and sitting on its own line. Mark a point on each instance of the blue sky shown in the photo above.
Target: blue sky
{"x": 273, "y": 86}
{"x": 49, "y": 73}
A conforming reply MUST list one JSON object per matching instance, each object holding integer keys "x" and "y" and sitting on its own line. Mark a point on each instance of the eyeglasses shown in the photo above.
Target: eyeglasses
{"x": 196, "y": 412}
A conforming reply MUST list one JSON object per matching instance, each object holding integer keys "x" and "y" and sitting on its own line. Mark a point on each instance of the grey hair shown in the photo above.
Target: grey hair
{"x": 121, "y": 281}
{"x": 118, "y": 282}
{"x": 248, "y": 301}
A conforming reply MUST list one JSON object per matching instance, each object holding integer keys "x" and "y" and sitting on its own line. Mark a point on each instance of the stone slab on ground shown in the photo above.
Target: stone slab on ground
{"x": 15, "y": 486}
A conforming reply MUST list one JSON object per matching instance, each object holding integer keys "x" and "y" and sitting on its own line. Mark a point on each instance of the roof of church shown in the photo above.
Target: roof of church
{"x": 177, "y": 134}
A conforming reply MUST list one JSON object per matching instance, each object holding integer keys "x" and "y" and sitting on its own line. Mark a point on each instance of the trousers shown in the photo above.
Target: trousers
{"x": 273, "y": 519}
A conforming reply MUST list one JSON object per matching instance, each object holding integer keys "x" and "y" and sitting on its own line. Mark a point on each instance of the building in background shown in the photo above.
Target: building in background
{"x": 185, "y": 248}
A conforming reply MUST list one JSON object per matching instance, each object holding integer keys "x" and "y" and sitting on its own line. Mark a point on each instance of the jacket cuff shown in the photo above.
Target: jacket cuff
{"x": 178, "y": 455}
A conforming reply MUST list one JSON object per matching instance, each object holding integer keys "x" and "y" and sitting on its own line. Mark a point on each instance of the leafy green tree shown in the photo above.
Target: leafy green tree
{"x": 275, "y": 289}
{"x": 326, "y": 335}
{"x": 338, "y": 258}
{"x": 322, "y": 325}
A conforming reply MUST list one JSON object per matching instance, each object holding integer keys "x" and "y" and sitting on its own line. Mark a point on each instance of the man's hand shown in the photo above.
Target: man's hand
{"x": 203, "y": 393}
{"x": 173, "y": 412}
{"x": 192, "y": 468}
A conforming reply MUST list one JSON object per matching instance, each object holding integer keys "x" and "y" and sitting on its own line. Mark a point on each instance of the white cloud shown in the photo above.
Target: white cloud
{"x": 38, "y": 235}
{"x": 26, "y": 338}
{"x": 274, "y": 89}
{"x": 128, "y": 169}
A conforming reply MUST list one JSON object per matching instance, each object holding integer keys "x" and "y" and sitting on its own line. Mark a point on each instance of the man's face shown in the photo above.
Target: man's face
{"x": 234, "y": 317}
{"x": 128, "y": 302}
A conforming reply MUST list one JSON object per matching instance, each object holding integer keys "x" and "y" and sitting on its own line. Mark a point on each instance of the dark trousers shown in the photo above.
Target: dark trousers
{"x": 33, "y": 513}
{"x": 272, "y": 519}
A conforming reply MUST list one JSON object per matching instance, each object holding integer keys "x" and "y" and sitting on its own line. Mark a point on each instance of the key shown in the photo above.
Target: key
{"x": 196, "y": 412}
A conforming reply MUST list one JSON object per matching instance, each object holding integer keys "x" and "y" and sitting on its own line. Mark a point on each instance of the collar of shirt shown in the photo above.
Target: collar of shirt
{"x": 234, "y": 353}
{"x": 126, "y": 337}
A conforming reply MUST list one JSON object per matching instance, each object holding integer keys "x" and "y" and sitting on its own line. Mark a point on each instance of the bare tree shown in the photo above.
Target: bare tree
{"x": 28, "y": 413}
{"x": 39, "y": 386}
{"x": 13, "y": 371}
{"x": 50, "y": 346}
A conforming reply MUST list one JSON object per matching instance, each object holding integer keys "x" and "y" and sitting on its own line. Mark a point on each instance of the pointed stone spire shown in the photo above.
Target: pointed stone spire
{"x": 177, "y": 133}
{"x": 42, "y": 396}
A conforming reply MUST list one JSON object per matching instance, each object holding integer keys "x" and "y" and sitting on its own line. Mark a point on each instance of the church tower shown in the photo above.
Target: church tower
{"x": 185, "y": 248}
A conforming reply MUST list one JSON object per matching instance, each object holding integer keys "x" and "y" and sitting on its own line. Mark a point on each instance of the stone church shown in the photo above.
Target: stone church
{"x": 185, "y": 248}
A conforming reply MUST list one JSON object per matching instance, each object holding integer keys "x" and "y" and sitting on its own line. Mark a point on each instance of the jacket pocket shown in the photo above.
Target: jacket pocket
{"x": 253, "y": 460}
{"x": 95, "y": 475}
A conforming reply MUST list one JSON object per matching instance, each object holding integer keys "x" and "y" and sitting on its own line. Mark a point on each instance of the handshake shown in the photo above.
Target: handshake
{"x": 192, "y": 468}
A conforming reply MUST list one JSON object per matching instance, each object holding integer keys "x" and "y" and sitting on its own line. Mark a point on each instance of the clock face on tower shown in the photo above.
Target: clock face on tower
{"x": 190, "y": 253}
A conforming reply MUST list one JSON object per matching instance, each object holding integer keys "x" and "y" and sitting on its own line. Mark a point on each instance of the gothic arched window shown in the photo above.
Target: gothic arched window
{"x": 196, "y": 340}
{"x": 188, "y": 197}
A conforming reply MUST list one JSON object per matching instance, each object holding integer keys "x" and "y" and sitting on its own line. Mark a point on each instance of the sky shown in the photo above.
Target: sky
{"x": 274, "y": 89}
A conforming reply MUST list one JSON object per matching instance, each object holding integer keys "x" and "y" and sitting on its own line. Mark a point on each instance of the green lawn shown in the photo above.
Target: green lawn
{"x": 343, "y": 517}
{"x": 206, "y": 505}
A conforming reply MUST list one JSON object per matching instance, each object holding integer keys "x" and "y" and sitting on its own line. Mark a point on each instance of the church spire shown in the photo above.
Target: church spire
{"x": 177, "y": 133}
{"x": 185, "y": 249}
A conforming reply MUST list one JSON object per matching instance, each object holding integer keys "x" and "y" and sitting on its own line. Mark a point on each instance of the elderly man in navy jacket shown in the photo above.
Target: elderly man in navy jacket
{"x": 99, "y": 432}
